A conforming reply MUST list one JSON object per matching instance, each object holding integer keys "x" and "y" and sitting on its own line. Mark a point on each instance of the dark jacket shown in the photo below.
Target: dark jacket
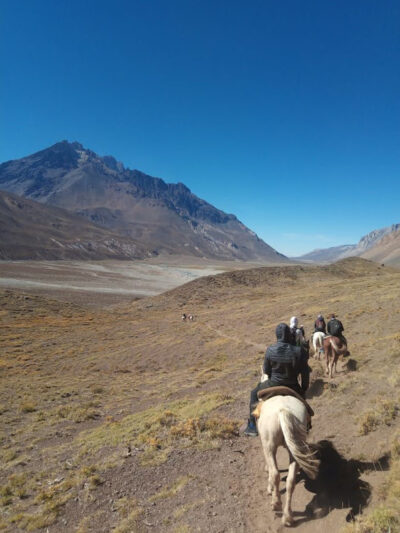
{"x": 283, "y": 362}
{"x": 331, "y": 328}
{"x": 319, "y": 325}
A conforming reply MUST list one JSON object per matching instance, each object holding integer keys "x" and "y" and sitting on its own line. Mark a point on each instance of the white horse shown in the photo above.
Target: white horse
{"x": 282, "y": 421}
{"x": 318, "y": 343}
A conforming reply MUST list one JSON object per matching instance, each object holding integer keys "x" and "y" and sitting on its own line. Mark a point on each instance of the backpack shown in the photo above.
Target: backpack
{"x": 335, "y": 327}
{"x": 319, "y": 325}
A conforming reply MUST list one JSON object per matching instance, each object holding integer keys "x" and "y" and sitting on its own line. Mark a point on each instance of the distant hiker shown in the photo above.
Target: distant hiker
{"x": 319, "y": 324}
{"x": 283, "y": 363}
{"x": 184, "y": 317}
{"x": 335, "y": 328}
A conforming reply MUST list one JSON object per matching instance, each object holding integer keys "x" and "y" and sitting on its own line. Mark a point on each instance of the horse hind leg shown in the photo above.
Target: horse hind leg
{"x": 316, "y": 349}
{"x": 329, "y": 360}
{"x": 332, "y": 365}
{"x": 273, "y": 475}
{"x": 287, "y": 518}
{"x": 274, "y": 481}
{"x": 335, "y": 362}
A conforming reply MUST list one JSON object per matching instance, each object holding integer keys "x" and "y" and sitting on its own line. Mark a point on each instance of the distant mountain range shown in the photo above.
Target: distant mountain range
{"x": 140, "y": 214}
{"x": 381, "y": 245}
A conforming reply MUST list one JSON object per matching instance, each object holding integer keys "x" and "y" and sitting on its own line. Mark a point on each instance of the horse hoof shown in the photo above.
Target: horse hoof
{"x": 287, "y": 521}
{"x": 277, "y": 506}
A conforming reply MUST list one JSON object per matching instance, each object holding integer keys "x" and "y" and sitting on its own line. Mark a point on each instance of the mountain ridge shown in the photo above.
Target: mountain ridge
{"x": 162, "y": 217}
{"x": 361, "y": 249}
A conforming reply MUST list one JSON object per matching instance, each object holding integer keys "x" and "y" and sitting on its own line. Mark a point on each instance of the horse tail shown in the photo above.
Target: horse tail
{"x": 295, "y": 435}
{"x": 339, "y": 351}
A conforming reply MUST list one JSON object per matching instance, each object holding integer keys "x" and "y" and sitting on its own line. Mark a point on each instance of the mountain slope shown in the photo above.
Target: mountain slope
{"x": 366, "y": 243}
{"x": 386, "y": 250}
{"x": 321, "y": 255}
{"x": 30, "y": 230}
{"x": 162, "y": 217}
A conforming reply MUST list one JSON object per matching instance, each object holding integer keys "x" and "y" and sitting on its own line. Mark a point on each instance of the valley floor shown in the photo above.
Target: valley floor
{"x": 124, "y": 418}
{"x": 101, "y": 282}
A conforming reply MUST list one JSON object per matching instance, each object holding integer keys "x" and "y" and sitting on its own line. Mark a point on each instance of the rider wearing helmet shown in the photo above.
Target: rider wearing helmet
{"x": 283, "y": 363}
{"x": 319, "y": 324}
{"x": 335, "y": 328}
{"x": 297, "y": 334}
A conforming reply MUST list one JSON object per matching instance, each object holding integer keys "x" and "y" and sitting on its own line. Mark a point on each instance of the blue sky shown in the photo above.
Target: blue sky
{"x": 286, "y": 114}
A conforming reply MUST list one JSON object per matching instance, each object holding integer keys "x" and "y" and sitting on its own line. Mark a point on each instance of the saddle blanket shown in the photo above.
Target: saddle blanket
{"x": 266, "y": 394}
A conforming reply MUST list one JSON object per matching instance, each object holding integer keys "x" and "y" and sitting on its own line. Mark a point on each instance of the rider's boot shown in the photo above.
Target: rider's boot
{"x": 251, "y": 430}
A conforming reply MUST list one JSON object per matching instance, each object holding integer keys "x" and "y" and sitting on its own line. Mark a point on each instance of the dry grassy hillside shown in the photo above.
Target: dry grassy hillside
{"x": 126, "y": 419}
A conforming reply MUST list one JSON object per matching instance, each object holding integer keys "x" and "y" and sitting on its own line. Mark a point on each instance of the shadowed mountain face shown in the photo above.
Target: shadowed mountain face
{"x": 35, "y": 231}
{"x": 162, "y": 217}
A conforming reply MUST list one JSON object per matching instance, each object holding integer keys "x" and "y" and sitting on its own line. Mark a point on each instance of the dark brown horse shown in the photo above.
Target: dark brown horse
{"x": 333, "y": 347}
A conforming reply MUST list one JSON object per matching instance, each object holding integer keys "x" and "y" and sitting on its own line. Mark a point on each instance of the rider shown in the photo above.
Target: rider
{"x": 296, "y": 331}
{"x": 283, "y": 363}
{"x": 319, "y": 324}
{"x": 335, "y": 328}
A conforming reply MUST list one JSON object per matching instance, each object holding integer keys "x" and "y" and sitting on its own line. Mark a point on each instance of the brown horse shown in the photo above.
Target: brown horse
{"x": 333, "y": 347}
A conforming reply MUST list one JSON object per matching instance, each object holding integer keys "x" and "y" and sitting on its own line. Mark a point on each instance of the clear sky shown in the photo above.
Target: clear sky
{"x": 285, "y": 113}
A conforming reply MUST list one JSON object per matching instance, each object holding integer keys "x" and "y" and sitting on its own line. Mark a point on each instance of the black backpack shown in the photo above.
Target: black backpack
{"x": 335, "y": 327}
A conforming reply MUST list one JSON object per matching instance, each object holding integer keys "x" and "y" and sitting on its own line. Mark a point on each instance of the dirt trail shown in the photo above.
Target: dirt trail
{"x": 323, "y": 505}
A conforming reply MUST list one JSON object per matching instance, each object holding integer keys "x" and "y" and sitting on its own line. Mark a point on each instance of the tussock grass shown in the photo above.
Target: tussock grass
{"x": 171, "y": 490}
{"x": 155, "y": 428}
{"x": 130, "y": 513}
{"x": 77, "y": 413}
{"x": 384, "y": 412}
{"x": 184, "y": 509}
{"x": 386, "y": 516}
{"x": 27, "y": 407}
{"x": 211, "y": 428}
{"x": 182, "y": 528}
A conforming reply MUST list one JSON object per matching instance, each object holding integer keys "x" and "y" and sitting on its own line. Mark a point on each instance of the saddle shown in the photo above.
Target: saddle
{"x": 266, "y": 394}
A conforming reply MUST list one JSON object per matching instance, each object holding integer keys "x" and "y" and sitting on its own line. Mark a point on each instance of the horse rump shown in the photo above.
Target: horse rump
{"x": 295, "y": 435}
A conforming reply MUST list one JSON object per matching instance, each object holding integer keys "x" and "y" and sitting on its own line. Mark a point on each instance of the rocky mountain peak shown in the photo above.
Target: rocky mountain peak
{"x": 374, "y": 236}
{"x": 163, "y": 217}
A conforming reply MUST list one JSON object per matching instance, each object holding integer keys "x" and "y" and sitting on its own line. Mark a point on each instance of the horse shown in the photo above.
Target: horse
{"x": 282, "y": 421}
{"x": 333, "y": 347}
{"x": 318, "y": 343}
